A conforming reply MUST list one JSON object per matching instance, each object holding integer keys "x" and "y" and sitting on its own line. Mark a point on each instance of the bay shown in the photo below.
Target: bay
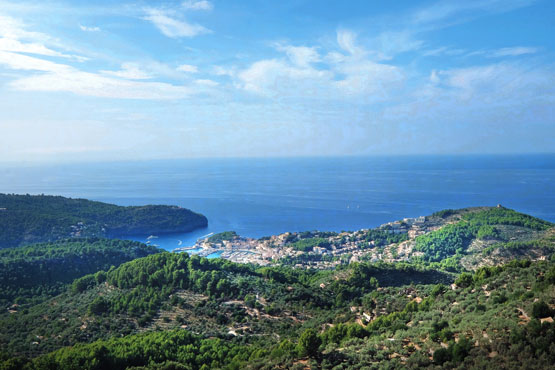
{"x": 265, "y": 196}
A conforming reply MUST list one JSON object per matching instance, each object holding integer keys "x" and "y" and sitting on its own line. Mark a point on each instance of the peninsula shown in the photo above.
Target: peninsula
{"x": 27, "y": 219}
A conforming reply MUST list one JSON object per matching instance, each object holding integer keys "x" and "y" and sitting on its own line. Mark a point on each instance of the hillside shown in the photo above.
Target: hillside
{"x": 27, "y": 219}
{"x": 39, "y": 271}
{"x": 494, "y": 318}
{"x": 213, "y": 297}
{"x": 471, "y": 288}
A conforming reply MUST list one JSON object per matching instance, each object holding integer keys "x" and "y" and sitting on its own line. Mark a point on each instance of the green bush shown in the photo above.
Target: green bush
{"x": 98, "y": 306}
{"x": 540, "y": 310}
{"x": 464, "y": 280}
{"x": 441, "y": 356}
{"x": 309, "y": 343}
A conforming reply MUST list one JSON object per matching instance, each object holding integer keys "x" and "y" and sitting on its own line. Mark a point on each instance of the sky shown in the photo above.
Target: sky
{"x": 104, "y": 80}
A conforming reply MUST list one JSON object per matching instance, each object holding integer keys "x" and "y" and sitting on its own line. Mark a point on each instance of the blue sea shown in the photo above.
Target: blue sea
{"x": 259, "y": 197}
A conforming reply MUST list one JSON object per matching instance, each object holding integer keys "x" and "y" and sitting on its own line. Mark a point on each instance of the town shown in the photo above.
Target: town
{"x": 317, "y": 249}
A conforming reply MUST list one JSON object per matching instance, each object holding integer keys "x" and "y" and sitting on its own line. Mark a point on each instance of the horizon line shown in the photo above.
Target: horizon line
{"x": 30, "y": 163}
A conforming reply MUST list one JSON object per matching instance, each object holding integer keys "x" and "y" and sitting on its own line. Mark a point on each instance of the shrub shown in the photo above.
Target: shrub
{"x": 541, "y": 309}
{"x": 441, "y": 356}
{"x": 439, "y": 289}
{"x": 82, "y": 284}
{"x": 98, "y": 306}
{"x": 550, "y": 275}
{"x": 464, "y": 280}
{"x": 309, "y": 342}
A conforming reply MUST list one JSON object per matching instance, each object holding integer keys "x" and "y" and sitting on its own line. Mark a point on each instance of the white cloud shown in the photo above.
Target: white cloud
{"x": 14, "y": 38}
{"x": 506, "y": 85}
{"x": 347, "y": 41}
{"x": 198, "y": 5}
{"x": 272, "y": 76}
{"x": 187, "y": 68}
{"x": 449, "y": 9}
{"x": 300, "y": 55}
{"x": 129, "y": 71}
{"x": 388, "y": 44}
{"x": 92, "y": 84}
{"x": 384, "y": 46}
{"x": 481, "y": 78}
{"x": 491, "y": 53}
{"x": 513, "y": 51}
{"x": 172, "y": 27}
{"x": 89, "y": 29}
{"x": 17, "y": 46}
{"x": 207, "y": 83}
{"x": 439, "y": 11}
{"x": 339, "y": 76}
{"x": 224, "y": 71}
{"x": 473, "y": 108}
{"x": 63, "y": 78}
{"x": 375, "y": 80}
{"x": 444, "y": 50}
{"x": 435, "y": 52}
{"x": 27, "y": 63}
{"x": 12, "y": 28}
{"x": 59, "y": 77}
{"x": 155, "y": 68}
{"x": 434, "y": 78}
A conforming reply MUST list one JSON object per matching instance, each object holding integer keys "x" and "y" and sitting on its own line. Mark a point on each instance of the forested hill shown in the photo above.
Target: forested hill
{"x": 142, "y": 316}
{"x": 33, "y": 273}
{"x": 26, "y": 219}
{"x": 176, "y": 311}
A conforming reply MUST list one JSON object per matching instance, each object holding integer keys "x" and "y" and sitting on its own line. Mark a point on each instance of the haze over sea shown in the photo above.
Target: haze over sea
{"x": 258, "y": 197}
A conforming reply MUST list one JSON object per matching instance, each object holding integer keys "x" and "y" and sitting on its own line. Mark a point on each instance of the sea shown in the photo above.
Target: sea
{"x": 266, "y": 196}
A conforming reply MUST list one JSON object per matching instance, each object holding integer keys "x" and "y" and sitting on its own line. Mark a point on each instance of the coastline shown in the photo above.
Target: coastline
{"x": 269, "y": 250}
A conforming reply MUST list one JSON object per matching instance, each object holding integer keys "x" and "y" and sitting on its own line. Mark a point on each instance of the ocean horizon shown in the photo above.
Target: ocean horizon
{"x": 266, "y": 196}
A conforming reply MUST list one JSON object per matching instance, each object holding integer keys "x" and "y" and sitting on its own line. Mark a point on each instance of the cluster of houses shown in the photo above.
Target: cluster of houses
{"x": 269, "y": 250}
{"x": 76, "y": 230}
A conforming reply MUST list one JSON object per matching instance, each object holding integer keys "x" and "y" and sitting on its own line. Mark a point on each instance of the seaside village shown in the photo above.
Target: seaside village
{"x": 334, "y": 249}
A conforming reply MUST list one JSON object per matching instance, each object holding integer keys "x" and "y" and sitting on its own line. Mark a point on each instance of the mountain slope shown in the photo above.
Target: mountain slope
{"x": 212, "y": 297}
{"x": 36, "y": 272}
{"x": 498, "y": 317}
{"x": 471, "y": 288}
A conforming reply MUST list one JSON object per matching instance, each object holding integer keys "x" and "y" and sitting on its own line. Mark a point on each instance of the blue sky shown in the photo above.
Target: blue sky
{"x": 94, "y": 80}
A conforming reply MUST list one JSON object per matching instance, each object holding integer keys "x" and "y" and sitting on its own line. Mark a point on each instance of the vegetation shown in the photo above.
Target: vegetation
{"x": 307, "y": 245}
{"x": 453, "y": 240}
{"x": 505, "y": 216}
{"x": 477, "y": 328}
{"x": 177, "y": 349}
{"x": 547, "y": 243}
{"x": 448, "y": 241}
{"x": 445, "y": 213}
{"x": 142, "y": 314}
{"x": 382, "y": 237}
{"x": 33, "y": 273}
{"x": 224, "y": 236}
{"x": 27, "y": 219}
{"x": 474, "y": 313}
{"x": 206, "y": 294}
